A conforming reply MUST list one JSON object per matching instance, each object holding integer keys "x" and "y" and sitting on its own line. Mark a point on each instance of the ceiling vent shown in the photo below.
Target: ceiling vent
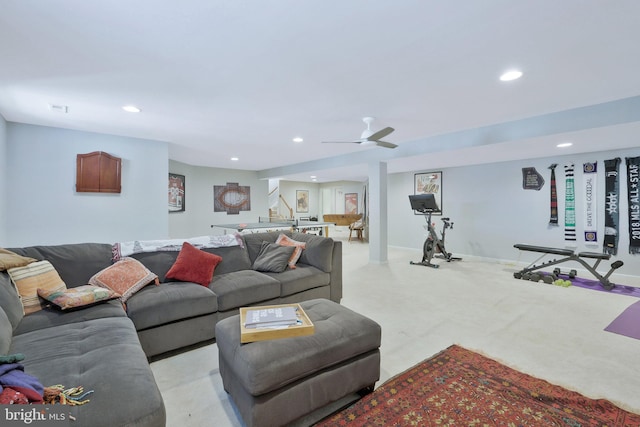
{"x": 59, "y": 108}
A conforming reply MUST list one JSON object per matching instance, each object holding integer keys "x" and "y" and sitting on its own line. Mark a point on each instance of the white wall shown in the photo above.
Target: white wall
{"x": 492, "y": 212}
{"x": 3, "y": 181}
{"x": 44, "y": 208}
{"x": 288, "y": 191}
{"x": 198, "y": 216}
{"x": 336, "y": 192}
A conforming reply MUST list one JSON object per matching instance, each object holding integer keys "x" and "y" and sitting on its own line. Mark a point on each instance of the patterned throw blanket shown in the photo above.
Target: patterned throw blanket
{"x": 124, "y": 249}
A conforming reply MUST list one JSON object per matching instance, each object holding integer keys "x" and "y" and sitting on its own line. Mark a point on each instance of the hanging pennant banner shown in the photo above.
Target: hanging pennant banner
{"x": 633, "y": 193}
{"x": 553, "y": 218}
{"x": 611, "y": 206}
{"x": 569, "y": 206}
{"x": 589, "y": 187}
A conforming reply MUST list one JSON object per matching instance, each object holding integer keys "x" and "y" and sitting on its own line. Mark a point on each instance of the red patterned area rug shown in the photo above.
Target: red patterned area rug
{"x": 458, "y": 387}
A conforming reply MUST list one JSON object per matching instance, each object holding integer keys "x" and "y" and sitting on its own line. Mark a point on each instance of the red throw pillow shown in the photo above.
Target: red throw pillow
{"x": 193, "y": 265}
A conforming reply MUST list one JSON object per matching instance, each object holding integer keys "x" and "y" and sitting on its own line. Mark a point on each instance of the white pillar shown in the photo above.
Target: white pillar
{"x": 378, "y": 213}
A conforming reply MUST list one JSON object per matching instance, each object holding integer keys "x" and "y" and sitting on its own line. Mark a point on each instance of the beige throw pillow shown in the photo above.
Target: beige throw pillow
{"x": 10, "y": 259}
{"x": 30, "y": 278}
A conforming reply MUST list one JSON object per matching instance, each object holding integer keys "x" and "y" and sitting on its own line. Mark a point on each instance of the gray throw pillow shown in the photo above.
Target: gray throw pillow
{"x": 273, "y": 258}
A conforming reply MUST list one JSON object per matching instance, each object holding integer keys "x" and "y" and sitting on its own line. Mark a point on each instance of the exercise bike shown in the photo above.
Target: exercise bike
{"x": 433, "y": 245}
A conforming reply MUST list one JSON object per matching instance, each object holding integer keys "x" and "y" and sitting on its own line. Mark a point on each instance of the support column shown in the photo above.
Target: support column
{"x": 378, "y": 213}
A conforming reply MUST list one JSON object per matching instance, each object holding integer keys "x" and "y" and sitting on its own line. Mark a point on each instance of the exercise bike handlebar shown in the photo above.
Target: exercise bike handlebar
{"x": 447, "y": 222}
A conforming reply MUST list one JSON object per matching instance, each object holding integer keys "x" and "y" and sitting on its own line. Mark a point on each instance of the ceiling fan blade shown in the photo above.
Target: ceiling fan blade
{"x": 381, "y": 133}
{"x": 385, "y": 144}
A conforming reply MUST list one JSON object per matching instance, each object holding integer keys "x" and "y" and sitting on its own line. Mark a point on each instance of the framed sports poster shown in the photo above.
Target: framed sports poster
{"x": 231, "y": 198}
{"x": 176, "y": 193}
{"x": 429, "y": 182}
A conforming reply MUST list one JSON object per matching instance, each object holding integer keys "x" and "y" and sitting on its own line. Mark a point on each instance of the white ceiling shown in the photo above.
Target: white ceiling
{"x": 218, "y": 79}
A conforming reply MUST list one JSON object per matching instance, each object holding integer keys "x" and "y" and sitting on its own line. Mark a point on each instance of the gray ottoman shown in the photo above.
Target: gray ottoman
{"x": 277, "y": 382}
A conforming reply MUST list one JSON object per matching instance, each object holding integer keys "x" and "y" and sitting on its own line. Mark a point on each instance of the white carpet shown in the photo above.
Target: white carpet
{"x": 550, "y": 332}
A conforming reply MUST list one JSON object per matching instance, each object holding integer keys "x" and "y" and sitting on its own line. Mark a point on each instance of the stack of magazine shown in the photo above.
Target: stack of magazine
{"x": 279, "y": 317}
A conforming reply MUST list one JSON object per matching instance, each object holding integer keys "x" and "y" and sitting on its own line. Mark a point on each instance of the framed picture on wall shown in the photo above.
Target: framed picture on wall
{"x": 231, "y": 198}
{"x": 429, "y": 182}
{"x": 351, "y": 203}
{"x": 176, "y": 193}
{"x": 302, "y": 201}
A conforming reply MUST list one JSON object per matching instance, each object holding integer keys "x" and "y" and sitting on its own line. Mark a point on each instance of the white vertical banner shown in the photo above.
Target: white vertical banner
{"x": 569, "y": 206}
{"x": 590, "y": 197}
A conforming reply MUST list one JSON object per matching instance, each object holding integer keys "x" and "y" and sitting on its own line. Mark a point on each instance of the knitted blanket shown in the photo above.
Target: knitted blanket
{"x": 124, "y": 249}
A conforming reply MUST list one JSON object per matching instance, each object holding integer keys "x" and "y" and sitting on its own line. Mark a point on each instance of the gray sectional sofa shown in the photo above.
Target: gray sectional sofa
{"x": 106, "y": 348}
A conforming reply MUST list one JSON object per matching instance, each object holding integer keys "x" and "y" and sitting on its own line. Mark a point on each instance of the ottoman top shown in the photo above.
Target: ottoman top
{"x": 263, "y": 366}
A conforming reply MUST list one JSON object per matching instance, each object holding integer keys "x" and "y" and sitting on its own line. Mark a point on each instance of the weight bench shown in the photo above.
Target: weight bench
{"x": 568, "y": 255}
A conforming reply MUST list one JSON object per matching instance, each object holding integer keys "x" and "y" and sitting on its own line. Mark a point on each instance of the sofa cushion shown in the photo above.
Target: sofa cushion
{"x": 193, "y": 265}
{"x": 10, "y": 300}
{"x": 273, "y": 258}
{"x": 52, "y": 317}
{"x": 125, "y": 277}
{"x": 285, "y": 240}
{"x": 318, "y": 251}
{"x": 10, "y": 259}
{"x": 75, "y": 263}
{"x": 30, "y": 278}
{"x": 253, "y": 243}
{"x": 303, "y": 278}
{"x": 6, "y": 332}
{"x": 103, "y": 355}
{"x": 234, "y": 258}
{"x": 243, "y": 288}
{"x": 169, "y": 302}
{"x": 80, "y": 296}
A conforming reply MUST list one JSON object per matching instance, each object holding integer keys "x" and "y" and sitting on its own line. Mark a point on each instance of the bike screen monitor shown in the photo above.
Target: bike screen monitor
{"x": 424, "y": 202}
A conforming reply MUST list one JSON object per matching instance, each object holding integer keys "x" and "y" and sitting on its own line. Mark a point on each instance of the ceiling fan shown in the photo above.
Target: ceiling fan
{"x": 369, "y": 137}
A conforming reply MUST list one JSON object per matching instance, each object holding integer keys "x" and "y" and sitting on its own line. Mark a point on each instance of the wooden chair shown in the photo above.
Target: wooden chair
{"x": 357, "y": 226}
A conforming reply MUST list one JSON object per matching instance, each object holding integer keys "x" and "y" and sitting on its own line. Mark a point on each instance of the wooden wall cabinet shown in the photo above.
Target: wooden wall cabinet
{"x": 98, "y": 172}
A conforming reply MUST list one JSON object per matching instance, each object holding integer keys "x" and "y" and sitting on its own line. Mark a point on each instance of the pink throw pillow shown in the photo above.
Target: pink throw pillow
{"x": 284, "y": 240}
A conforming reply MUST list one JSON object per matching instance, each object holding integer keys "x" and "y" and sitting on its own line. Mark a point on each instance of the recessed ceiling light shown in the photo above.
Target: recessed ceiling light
{"x": 297, "y": 139}
{"x": 564, "y": 144}
{"x": 511, "y": 75}
{"x": 131, "y": 109}
{"x": 235, "y": 159}
{"x": 312, "y": 177}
